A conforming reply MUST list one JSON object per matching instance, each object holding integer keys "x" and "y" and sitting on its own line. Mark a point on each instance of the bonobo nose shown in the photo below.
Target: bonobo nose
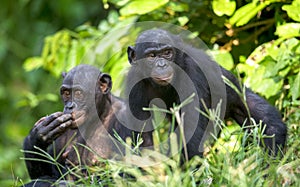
{"x": 69, "y": 107}
{"x": 161, "y": 64}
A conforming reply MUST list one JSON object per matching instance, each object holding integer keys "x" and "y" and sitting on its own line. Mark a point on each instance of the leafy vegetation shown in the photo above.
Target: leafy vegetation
{"x": 257, "y": 40}
{"x": 245, "y": 165}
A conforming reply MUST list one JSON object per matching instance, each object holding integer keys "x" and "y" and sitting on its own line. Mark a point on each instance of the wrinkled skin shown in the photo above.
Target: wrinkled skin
{"x": 153, "y": 74}
{"x": 89, "y": 118}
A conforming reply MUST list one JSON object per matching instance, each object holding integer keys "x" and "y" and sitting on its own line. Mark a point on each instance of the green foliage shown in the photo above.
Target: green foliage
{"x": 293, "y": 10}
{"x": 272, "y": 69}
{"x": 98, "y": 46}
{"x": 258, "y": 38}
{"x": 224, "y": 58}
{"x": 223, "y": 7}
{"x": 64, "y": 50}
{"x": 244, "y": 14}
{"x": 278, "y": 72}
{"x": 246, "y": 165}
{"x": 288, "y": 30}
{"x": 141, "y": 7}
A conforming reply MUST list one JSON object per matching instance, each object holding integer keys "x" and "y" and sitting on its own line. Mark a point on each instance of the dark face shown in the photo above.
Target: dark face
{"x": 75, "y": 99}
{"x": 155, "y": 59}
{"x": 82, "y": 87}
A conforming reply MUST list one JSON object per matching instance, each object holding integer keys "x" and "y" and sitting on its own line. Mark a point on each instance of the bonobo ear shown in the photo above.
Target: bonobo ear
{"x": 131, "y": 54}
{"x": 63, "y": 74}
{"x": 105, "y": 83}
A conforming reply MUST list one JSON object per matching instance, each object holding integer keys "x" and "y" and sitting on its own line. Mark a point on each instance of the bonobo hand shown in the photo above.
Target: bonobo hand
{"x": 47, "y": 129}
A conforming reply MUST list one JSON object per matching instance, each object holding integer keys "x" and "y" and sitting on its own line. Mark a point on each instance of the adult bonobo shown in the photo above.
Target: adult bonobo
{"x": 166, "y": 68}
{"x": 89, "y": 117}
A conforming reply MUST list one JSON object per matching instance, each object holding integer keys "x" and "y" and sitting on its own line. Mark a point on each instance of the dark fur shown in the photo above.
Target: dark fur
{"x": 94, "y": 132}
{"x": 141, "y": 93}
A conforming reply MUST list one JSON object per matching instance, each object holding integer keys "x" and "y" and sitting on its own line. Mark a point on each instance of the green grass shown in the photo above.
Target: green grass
{"x": 235, "y": 159}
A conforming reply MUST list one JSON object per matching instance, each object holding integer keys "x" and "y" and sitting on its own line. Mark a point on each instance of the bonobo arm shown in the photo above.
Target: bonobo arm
{"x": 44, "y": 132}
{"x": 260, "y": 110}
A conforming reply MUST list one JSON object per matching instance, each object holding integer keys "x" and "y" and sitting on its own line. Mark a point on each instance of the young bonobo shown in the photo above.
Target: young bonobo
{"x": 163, "y": 65}
{"x": 88, "y": 119}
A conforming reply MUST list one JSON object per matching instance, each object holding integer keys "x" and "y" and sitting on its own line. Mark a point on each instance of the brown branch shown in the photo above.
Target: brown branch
{"x": 231, "y": 32}
{"x": 257, "y": 33}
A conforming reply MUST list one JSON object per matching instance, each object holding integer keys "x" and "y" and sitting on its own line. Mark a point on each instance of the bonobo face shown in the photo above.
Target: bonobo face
{"x": 74, "y": 98}
{"x": 79, "y": 91}
{"x": 154, "y": 58}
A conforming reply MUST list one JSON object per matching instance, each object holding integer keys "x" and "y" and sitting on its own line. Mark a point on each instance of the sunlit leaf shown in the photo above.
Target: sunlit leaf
{"x": 292, "y": 43}
{"x": 223, "y": 58}
{"x": 247, "y": 70}
{"x": 141, "y": 7}
{"x": 178, "y": 6}
{"x": 50, "y": 97}
{"x": 74, "y": 55}
{"x": 244, "y": 14}
{"x": 183, "y": 20}
{"x": 269, "y": 65}
{"x": 295, "y": 88}
{"x": 282, "y": 59}
{"x": 224, "y": 7}
{"x": 113, "y": 17}
{"x": 33, "y": 63}
{"x": 288, "y": 30}
{"x": 265, "y": 86}
{"x": 293, "y": 10}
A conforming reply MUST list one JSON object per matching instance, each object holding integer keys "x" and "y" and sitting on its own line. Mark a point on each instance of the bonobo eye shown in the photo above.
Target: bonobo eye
{"x": 65, "y": 94}
{"x": 150, "y": 55}
{"x": 78, "y": 94}
{"x": 168, "y": 53}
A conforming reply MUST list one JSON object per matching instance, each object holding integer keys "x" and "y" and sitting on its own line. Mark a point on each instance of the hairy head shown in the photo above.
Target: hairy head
{"x": 82, "y": 90}
{"x": 155, "y": 53}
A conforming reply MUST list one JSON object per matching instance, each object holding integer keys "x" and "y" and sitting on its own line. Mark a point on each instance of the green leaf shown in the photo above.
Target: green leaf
{"x": 111, "y": 39}
{"x": 295, "y": 88}
{"x": 113, "y": 17}
{"x": 292, "y": 43}
{"x": 259, "y": 54}
{"x": 288, "y": 30}
{"x": 293, "y": 10}
{"x": 178, "y": 6}
{"x": 269, "y": 64}
{"x": 223, "y": 58}
{"x": 183, "y": 20}
{"x": 74, "y": 55}
{"x": 223, "y": 7}
{"x": 267, "y": 87}
{"x": 49, "y": 97}
{"x": 247, "y": 69}
{"x": 33, "y": 63}
{"x": 244, "y": 14}
{"x": 141, "y": 7}
{"x": 282, "y": 59}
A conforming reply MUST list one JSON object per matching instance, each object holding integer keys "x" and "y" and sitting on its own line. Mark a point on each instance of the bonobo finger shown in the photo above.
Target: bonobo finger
{"x": 39, "y": 126}
{"x": 49, "y": 119}
{"x": 53, "y": 134}
{"x": 56, "y": 122}
{"x": 39, "y": 121}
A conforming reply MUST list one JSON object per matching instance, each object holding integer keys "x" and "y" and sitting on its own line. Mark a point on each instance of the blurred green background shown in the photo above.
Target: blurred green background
{"x": 41, "y": 39}
{"x": 26, "y": 96}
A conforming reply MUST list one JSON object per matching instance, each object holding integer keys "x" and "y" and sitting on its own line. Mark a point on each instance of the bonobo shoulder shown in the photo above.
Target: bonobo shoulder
{"x": 153, "y": 75}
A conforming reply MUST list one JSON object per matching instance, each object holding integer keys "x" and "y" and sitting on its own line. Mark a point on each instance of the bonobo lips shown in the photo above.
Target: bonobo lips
{"x": 163, "y": 80}
{"x": 78, "y": 118}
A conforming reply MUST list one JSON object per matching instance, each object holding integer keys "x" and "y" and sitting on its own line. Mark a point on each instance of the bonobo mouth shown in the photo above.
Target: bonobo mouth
{"x": 163, "y": 80}
{"x": 78, "y": 118}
